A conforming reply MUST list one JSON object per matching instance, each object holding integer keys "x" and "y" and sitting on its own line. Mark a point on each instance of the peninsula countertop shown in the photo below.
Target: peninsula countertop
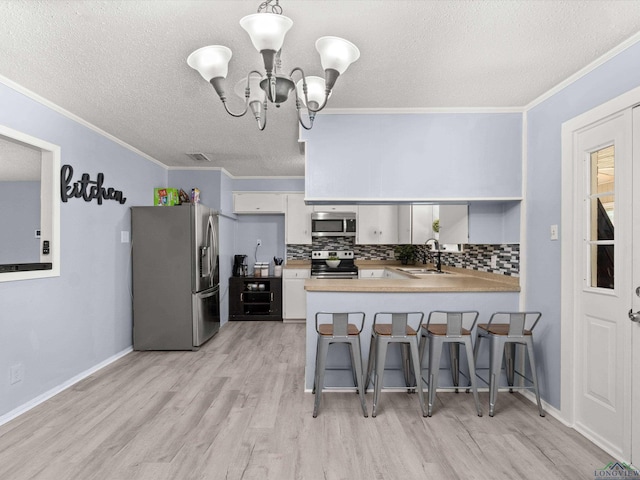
{"x": 458, "y": 280}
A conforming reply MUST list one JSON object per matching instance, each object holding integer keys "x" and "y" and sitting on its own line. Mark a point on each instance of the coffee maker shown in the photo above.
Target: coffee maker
{"x": 239, "y": 266}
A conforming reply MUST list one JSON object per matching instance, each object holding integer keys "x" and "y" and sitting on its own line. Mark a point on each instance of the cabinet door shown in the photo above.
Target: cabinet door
{"x": 294, "y": 296}
{"x": 297, "y": 220}
{"x": 387, "y": 224}
{"x": 454, "y": 224}
{"x": 258, "y": 202}
{"x": 422, "y": 224}
{"x": 367, "y": 225}
{"x": 371, "y": 273}
{"x": 404, "y": 224}
{"x": 392, "y": 274}
{"x": 377, "y": 224}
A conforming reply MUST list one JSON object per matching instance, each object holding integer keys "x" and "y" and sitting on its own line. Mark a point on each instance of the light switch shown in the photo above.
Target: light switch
{"x": 124, "y": 236}
{"x": 554, "y": 232}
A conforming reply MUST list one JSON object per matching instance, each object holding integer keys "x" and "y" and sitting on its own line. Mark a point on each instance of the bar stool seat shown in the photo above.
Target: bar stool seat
{"x": 449, "y": 328}
{"x": 505, "y": 331}
{"x": 397, "y": 331}
{"x": 340, "y": 330}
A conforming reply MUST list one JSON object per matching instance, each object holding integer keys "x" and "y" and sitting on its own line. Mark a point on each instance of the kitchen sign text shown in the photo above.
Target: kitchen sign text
{"x": 86, "y": 188}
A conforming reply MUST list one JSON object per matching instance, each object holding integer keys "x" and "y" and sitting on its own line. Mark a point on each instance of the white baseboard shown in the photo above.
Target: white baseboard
{"x": 16, "y": 412}
{"x": 548, "y": 408}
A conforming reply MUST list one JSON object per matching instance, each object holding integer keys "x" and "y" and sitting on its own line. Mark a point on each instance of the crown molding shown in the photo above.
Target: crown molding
{"x": 47, "y": 103}
{"x": 585, "y": 71}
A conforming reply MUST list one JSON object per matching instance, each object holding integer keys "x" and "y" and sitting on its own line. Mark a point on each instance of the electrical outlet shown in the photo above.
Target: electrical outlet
{"x": 554, "y": 232}
{"x": 16, "y": 373}
{"x": 259, "y": 242}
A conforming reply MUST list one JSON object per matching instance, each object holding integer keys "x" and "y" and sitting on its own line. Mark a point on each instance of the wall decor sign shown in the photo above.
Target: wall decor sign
{"x": 86, "y": 188}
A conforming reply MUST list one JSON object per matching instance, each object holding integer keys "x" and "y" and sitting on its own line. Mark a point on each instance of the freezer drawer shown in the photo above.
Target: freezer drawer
{"x": 206, "y": 315}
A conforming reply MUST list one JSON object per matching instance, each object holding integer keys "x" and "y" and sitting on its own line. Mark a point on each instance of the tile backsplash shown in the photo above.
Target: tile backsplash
{"x": 474, "y": 257}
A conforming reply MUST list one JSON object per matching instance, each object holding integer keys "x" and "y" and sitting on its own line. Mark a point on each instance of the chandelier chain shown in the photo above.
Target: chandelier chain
{"x": 270, "y": 6}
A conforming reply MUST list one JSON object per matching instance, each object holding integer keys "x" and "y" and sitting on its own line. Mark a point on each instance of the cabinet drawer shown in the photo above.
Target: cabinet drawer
{"x": 296, "y": 272}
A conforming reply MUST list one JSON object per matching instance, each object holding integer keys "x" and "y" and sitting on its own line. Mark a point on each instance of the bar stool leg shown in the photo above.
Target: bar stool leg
{"x": 435, "y": 352}
{"x": 509, "y": 362}
{"x": 407, "y": 368}
{"x": 323, "y": 348}
{"x": 454, "y": 358}
{"x": 534, "y": 375}
{"x": 357, "y": 364}
{"x": 381, "y": 356}
{"x": 496, "y": 350}
{"x": 472, "y": 373}
{"x": 371, "y": 361}
{"x": 476, "y": 350}
{"x": 353, "y": 365}
{"x": 315, "y": 375}
{"x": 413, "y": 346}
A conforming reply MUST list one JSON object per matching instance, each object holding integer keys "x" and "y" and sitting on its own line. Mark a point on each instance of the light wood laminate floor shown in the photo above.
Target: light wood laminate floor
{"x": 236, "y": 409}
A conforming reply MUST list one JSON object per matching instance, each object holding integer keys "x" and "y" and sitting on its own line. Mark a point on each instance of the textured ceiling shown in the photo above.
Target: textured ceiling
{"x": 121, "y": 65}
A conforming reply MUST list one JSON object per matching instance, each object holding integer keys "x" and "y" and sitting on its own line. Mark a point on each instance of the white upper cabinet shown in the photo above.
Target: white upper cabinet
{"x": 377, "y": 224}
{"x": 297, "y": 220}
{"x": 404, "y": 224}
{"x": 335, "y": 208}
{"x": 454, "y": 224}
{"x": 422, "y": 217}
{"x": 258, "y": 202}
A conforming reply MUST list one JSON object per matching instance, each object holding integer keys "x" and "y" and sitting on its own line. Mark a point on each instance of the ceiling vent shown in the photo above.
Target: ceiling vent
{"x": 198, "y": 157}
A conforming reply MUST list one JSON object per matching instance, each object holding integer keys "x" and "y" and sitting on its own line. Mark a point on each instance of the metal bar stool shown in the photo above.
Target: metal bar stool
{"x": 339, "y": 331}
{"x": 505, "y": 331}
{"x": 397, "y": 331}
{"x": 448, "y": 327}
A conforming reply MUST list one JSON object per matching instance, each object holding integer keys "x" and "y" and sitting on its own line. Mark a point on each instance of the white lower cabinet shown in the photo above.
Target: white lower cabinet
{"x": 294, "y": 297}
{"x": 392, "y": 274}
{"x": 370, "y": 273}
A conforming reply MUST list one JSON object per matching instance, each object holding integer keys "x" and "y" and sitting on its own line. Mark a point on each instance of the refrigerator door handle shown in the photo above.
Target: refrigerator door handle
{"x": 207, "y": 293}
{"x": 211, "y": 242}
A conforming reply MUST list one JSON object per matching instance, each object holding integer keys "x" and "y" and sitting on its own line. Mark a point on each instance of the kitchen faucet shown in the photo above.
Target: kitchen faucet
{"x": 436, "y": 245}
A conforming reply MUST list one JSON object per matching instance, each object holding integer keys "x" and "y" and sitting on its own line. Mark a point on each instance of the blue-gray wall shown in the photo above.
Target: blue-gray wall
{"x": 422, "y": 156}
{"x": 60, "y": 327}
{"x": 543, "y": 180}
{"x": 19, "y": 219}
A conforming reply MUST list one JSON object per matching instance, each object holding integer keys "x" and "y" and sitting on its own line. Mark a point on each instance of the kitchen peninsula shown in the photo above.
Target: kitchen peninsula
{"x": 457, "y": 289}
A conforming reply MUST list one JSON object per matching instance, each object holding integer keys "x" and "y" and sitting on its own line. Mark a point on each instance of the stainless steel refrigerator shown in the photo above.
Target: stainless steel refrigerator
{"x": 176, "y": 292}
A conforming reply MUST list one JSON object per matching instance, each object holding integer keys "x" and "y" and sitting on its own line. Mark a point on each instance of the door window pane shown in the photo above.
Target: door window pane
{"x": 601, "y": 217}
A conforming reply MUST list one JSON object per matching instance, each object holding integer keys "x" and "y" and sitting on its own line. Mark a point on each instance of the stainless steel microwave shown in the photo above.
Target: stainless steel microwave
{"x": 333, "y": 224}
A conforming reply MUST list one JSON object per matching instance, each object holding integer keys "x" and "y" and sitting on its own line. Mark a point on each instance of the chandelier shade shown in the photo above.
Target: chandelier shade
{"x": 211, "y": 61}
{"x": 336, "y": 53}
{"x": 266, "y": 30}
{"x": 315, "y": 91}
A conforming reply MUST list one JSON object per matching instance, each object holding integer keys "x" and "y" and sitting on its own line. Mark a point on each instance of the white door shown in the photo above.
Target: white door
{"x": 603, "y": 283}
{"x": 635, "y": 294}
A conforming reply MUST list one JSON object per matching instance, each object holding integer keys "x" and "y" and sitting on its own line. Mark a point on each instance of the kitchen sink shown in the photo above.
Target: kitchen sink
{"x": 422, "y": 271}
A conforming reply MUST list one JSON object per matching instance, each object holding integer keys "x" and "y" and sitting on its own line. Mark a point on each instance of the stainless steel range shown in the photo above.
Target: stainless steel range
{"x": 321, "y": 269}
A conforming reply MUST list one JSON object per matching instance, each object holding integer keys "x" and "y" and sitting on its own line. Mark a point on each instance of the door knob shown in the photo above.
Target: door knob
{"x": 634, "y": 316}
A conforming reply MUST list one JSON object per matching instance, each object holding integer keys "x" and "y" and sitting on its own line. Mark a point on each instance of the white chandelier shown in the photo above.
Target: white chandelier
{"x": 267, "y": 29}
